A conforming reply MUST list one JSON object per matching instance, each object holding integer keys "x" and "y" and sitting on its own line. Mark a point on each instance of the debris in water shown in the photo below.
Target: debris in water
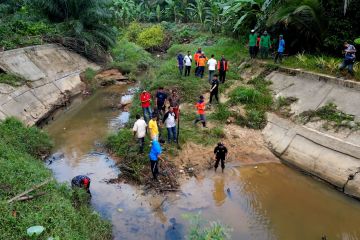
{"x": 256, "y": 167}
{"x": 120, "y": 210}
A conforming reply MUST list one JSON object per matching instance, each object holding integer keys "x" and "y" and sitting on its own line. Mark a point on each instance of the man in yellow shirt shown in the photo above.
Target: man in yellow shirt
{"x": 153, "y": 128}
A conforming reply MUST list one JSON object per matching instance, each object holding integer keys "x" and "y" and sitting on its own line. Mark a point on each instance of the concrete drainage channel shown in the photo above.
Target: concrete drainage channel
{"x": 330, "y": 156}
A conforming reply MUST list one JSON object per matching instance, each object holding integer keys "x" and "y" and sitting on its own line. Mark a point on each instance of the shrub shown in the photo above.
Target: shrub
{"x": 151, "y": 37}
{"x": 256, "y": 119}
{"x": 133, "y": 31}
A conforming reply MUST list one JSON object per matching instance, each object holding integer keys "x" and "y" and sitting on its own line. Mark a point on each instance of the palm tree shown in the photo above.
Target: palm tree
{"x": 86, "y": 20}
{"x": 303, "y": 17}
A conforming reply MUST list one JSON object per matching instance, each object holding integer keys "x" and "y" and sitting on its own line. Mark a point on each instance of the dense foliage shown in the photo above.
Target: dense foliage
{"x": 311, "y": 25}
{"x": 307, "y": 24}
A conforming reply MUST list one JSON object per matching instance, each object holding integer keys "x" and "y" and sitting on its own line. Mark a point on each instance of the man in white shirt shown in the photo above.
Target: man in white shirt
{"x": 139, "y": 130}
{"x": 170, "y": 123}
{"x": 212, "y": 67}
{"x": 187, "y": 61}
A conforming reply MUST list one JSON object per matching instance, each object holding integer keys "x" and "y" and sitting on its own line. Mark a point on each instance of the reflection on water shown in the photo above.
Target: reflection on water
{"x": 270, "y": 201}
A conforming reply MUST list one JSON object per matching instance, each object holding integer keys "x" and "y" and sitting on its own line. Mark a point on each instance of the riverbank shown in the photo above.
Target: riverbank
{"x": 57, "y": 208}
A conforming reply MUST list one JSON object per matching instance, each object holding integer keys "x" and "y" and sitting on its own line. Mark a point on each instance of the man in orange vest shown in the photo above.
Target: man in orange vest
{"x": 201, "y": 65}
{"x": 196, "y": 59}
{"x": 200, "y": 106}
{"x": 223, "y": 67}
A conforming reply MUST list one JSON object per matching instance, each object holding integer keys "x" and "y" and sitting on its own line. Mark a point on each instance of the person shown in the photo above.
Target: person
{"x": 201, "y": 65}
{"x": 196, "y": 59}
{"x": 265, "y": 45}
{"x": 161, "y": 97}
{"x": 155, "y": 155}
{"x": 174, "y": 101}
{"x": 257, "y": 47}
{"x": 214, "y": 91}
{"x": 188, "y": 62}
{"x": 139, "y": 130}
{"x": 223, "y": 67}
{"x": 349, "y": 58}
{"x": 220, "y": 153}
{"x": 212, "y": 67}
{"x": 153, "y": 128}
{"x": 200, "y": 106}
{"x": 281, "y": 49}
{"x": 145, "y": 98}
{"x": 180, "y": 60}
{"x": 252, "y": 43}
{"x": 170, "y": 122}
{"x": 81, "y": 181}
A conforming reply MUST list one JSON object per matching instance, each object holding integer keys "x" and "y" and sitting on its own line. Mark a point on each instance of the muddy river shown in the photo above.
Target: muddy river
{"x": 270, "y": 201}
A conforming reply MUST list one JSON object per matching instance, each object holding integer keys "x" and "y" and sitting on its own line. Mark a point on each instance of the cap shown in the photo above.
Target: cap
{"x": 265, "y": 32}
{"x": 154, "y": 115}
{"x": 86, "y": 181}
{"x": 252, "y": 30}
{"x": 281, "y": 35}
{"x": 201, "y": 97}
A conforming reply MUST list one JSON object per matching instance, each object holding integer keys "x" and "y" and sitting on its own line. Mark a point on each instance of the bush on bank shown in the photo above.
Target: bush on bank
{"x": 21, "y": 169}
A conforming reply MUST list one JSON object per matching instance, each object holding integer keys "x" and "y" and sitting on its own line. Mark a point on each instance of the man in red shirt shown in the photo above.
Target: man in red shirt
{"x": 145, "y": 98}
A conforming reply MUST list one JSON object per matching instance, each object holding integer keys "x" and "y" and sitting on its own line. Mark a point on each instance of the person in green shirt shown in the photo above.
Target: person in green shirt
{"x": 252, "y": 43}
{"x": 265, "y": 45}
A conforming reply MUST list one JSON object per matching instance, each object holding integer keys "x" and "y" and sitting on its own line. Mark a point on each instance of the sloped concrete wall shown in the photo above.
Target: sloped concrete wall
{"x": 327, "y": 157}
{"x": 53, "y": 73}
{"x": 314, "y": 91}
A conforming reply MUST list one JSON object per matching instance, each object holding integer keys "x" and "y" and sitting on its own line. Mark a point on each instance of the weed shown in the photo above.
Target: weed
{"x": 301, "y": 57}
{"x": 202, "y": 230}
{"x": 11, "y": 79}
{"x": 221, "y": 113}
{"x": 256, "y": 119}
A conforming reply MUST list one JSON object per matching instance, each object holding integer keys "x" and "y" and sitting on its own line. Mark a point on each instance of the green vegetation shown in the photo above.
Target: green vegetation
{"x": 202, "y": 230}
{"x": 320, "y": 64}
{"x": 59, "y": 210}
{"x": 333, "y": 117}
{"x": 151, "y": 37}
{"x": 257, "y": 100}
{"x": 11, "y": 79}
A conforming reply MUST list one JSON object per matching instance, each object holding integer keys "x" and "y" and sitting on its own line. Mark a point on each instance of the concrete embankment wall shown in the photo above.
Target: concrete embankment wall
{"x": 52, "y": 74}
{"x": 321, "y": 153}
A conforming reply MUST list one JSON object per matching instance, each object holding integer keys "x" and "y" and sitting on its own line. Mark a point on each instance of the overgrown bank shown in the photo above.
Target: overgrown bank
{"x": 60, "y": 210}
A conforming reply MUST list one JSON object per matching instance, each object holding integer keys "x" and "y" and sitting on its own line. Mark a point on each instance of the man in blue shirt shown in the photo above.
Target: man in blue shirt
{"x": 349, "y": 58}
{"x": 180, "y": 60}
{"x": 281, "y": 49}
{"x": 161, "y": 97}
{"x": 154, "y": 156}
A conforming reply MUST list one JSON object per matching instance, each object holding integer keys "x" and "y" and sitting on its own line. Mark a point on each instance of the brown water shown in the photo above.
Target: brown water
{"x": 271, "y": 201}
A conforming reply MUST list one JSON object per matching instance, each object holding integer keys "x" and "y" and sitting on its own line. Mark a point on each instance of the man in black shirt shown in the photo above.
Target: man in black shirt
{"x": 161, "y": 98}
{"x": 214, "y": 91}
{"x": 220, "y": 152}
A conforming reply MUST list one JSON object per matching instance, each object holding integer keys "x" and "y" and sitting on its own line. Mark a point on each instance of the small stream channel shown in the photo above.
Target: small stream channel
{"x": 271, "y": 201}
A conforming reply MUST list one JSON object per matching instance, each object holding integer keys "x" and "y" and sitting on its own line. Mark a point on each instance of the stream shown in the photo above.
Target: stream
{"x": 270, "y": 201}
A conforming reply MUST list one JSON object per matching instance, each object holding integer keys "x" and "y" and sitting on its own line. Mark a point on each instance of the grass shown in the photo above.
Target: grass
{"x": 319, "y": 64}
{"x": 257, "y": 98}
{"x": 332, "y": 115}
{"x": 11, "y": 79}
{"x": 129, "y": 57}
{"x": 57, "y": 210}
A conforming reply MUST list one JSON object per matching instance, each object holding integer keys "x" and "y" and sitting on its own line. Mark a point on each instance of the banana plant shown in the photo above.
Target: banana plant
{"x": 198, "y": 10}
{"x": 172, "y": 10}
{"x": 124, "y": 11}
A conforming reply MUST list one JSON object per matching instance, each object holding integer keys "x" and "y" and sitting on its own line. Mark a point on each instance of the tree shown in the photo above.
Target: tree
{"x": 124, "y": 11}
{"x": 86, "y": 20}
{"x": 301, "y": 19}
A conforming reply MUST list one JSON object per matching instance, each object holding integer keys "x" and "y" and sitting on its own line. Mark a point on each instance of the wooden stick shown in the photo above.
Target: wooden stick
{"x": 24, "y": 198}
{"x": 30, "y": 190}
